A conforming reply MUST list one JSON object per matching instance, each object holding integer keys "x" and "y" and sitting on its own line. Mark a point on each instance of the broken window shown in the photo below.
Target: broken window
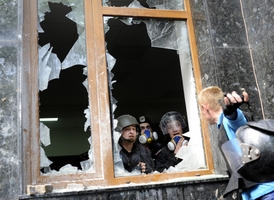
{"x": 95, "y": 63}
{"x": 63, "y": 95}
{"x": 151, "y": 74}
{"x": 148, "y": 62}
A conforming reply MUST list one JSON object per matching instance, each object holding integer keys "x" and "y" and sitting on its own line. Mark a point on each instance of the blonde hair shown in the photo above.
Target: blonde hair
{"x": 211, "y": 96}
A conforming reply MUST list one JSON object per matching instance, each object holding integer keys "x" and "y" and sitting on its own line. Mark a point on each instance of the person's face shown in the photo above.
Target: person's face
{"x": 144, "y": 126}
{"x": 174, "y": 128}
{"x": 207, "y": 114}
{"x": 129, "y": 133}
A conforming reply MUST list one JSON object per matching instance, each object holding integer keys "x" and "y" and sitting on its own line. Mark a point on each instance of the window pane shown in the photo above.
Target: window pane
{"x": 63, "y": 88}
{"x": 152, "y": 4}
{"x": 150, "y": 69}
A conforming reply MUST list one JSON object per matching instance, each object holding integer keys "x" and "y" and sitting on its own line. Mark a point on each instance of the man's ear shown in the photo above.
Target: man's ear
{"x": 204, "y": 106}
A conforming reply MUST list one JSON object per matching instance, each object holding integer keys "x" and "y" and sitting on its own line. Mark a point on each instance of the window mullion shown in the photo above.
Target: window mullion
{"x": 98, "y": 90}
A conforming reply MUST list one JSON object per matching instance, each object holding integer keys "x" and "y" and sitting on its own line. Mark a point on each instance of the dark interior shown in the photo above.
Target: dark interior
{"x": 148, "y": 79}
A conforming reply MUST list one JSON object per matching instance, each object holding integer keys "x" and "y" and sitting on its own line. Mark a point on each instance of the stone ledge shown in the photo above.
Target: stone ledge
{"x": 123, "y": 188}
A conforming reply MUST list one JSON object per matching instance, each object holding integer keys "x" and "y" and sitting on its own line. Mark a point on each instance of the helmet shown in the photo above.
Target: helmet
{"x": 171, "y": 116}
{"x": 124, "y": 121}
{"x": 257, "y": 141}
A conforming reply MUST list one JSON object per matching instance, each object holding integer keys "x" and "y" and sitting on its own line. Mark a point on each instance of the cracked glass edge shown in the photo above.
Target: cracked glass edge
{"x": 50, "y": 66}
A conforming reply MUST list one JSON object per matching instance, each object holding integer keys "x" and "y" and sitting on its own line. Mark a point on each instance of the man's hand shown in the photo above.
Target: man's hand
{"x": 142, "y": 166}
{"x": 233, "y": 101}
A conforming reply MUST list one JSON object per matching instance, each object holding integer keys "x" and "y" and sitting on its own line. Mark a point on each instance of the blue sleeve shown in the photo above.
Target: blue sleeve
{"x": 258, "y": 191}
{"x": 231, "y": 126}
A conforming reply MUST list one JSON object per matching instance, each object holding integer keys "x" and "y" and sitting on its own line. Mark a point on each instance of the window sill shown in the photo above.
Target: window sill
{"x": 129, "y": 187}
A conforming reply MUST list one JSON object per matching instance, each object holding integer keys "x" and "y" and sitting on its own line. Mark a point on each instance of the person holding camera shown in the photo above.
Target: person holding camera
{"x": 133, "y": 154}
{"x": 223, "y": 110}
{"x": 173, "y": 126}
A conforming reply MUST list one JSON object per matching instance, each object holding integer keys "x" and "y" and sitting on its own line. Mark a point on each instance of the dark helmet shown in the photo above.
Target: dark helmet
{"x": 124, "y": 121}
{"x": 257, "y": 142}
{"x": 169, "y": 117}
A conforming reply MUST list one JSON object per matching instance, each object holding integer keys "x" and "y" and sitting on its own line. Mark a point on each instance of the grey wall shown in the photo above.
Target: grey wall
{"x": 235, "y": 50}
{"x": 259, "y": 17}
{"x": 10, "y": 63}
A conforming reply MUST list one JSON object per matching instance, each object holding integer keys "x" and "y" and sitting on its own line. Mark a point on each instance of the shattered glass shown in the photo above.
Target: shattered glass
{"x": 53, "y": 63}
{"x": 163, "y": 35}
{"x": 152, "y": 4}
{"x": 44, "y": 161}
{"x": 44, "y": 134}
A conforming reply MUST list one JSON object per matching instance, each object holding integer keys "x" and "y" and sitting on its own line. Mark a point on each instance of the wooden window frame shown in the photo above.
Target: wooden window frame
{"x": 97, "y": 77}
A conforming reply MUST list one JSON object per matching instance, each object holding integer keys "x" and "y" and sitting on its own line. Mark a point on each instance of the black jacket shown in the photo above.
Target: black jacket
{"x": 165, "y": 158}
{"x": 138, "y": 154}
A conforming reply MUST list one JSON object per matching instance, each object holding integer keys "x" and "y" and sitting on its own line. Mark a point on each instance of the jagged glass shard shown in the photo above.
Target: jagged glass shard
{"x": 162, "y": 33}
{"x": 43, "y": 7}
{"x": 44, "y": 161}
{"x": 49, "y": 66}
{"x": 77, "y": 54}
{"x": 186, "y": 153}
{"x": 85, "y": 83}
{"x": 77, "y": 15}
{"x": 44, "y": 71}
{"x": 40, "y": 30}
{"x": 55, "y": 65}
{"x": 104, "y": 2}
{"x": 166, "y": 4}
{"x": 91, "y": 155}
{"x": 110, "y": 61}
{"x": 44, "y": 134}
{"x": 106, "y": 26}
{"x": 183, "y": 40}
{"x": 135, "y": 4}
{"x": 68, "y": 169}
{"x": 87, "y": 115}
